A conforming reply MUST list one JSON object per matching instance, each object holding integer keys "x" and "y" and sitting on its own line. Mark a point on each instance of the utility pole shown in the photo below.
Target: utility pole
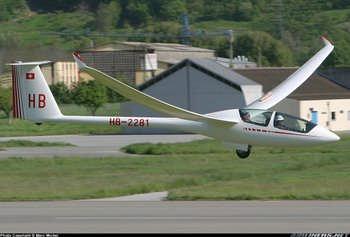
{"x": 230, "y": 40}
{"x": 185, "y": 31}
{"x": 277, "y": 16}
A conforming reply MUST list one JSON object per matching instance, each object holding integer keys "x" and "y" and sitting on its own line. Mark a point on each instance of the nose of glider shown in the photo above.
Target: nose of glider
{"x": 325, "y": 135}
{"x": 333, "y": 137}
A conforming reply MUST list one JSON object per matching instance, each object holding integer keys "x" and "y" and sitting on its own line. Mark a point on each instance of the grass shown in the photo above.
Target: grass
{"x": 270, "y": 173}
{"x": 27, "y": 128}
{"x": 209, "y": 146}
{"x": 25, "y": 30}
{"x": 206, "y": 146}
{"x": 214, "y": 25}
{"x": 27, "y": 143}
{"x": 334, "y": 16}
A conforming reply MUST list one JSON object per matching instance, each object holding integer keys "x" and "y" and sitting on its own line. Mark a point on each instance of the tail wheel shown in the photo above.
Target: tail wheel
{"x": 244, "y": 154}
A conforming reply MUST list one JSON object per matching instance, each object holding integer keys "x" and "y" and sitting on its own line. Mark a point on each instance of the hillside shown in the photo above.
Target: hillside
{"x": 273, "y": 33}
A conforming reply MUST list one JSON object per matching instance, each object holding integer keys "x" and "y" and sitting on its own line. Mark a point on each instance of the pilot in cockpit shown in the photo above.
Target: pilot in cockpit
{"x": 279, "y": 122}
{"x": 245, "y": 116}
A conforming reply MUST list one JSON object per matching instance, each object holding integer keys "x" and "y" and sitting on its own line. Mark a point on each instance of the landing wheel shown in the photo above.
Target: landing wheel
{"x": 243, "y": 154}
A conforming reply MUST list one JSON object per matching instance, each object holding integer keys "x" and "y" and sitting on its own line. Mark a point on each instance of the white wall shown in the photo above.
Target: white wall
{"x": 251, "y": 93}
{"x": 341, "y": 107}
{"x": 66, "y": 72}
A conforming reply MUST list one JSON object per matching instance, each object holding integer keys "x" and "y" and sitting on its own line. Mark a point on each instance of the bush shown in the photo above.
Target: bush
{"x": 91, "y": 94}
{"x": 61, "y": 93}
{"x": 5, "y": 101}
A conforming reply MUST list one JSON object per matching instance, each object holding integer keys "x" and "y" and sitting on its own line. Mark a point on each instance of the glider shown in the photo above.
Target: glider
{"x": 239, "y": 128}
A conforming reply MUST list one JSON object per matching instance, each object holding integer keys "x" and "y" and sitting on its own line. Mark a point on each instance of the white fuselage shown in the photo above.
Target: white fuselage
{"x": 240, "y": 133}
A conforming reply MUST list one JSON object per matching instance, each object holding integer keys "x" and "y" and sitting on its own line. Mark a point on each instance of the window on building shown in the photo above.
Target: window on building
{"x": 333, "y": 117}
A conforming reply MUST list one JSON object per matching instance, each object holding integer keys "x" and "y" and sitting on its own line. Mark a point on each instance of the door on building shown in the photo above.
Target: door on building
{"x": 314, "y": 117}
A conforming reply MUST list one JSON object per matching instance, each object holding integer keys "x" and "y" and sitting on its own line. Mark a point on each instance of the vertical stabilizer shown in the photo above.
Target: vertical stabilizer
{"x": 32, "y": 98}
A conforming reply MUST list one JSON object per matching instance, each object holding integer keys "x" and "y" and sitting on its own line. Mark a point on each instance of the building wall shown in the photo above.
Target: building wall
{"x": 143, "y": 76}
{"x": 177, "y": 56}
{"x": 190, "y": 89}
{"x": 47, "y": 70}
{"x": 208, "y": 95}
{"x": 340, "y": 108}
{"x": 119, "y": 63}
{"x": 66, "y": 72}
{"x": 172, "y": 89}
{"x": 252, "y": 93}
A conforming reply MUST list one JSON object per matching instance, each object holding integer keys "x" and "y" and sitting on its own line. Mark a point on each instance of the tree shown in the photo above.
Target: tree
{"x": 12, "y": 8}
{"x": 114, "y": 97}
{"x": 137, "y": 12}
{"x": 107, "y": 16}
{"x": 90, "y": 94}
{"x": 6, "y": 101}
{"x": 61, "y": 93}
{"x": 245, "y": 11}
{"x": 171, "y": 9}
{"x": 264, "y": 49}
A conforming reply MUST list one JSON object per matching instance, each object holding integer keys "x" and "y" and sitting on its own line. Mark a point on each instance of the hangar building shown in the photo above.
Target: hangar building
{"x": 199, "y": 85}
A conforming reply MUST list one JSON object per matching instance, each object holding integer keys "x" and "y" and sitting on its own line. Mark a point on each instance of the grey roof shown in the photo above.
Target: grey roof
{"x": 316, "y": 87}
{"x": 223, "y": 71}
{"x": 208, "y": 66}
{"x": 340, "y": 76}
{"x": 156, "y": 46}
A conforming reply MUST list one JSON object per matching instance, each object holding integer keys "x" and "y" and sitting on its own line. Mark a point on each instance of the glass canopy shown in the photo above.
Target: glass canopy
{"x": 281, "y": 120}
{"x": 256, "y": 116}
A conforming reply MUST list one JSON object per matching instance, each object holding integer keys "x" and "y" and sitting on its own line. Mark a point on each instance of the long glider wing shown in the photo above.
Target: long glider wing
{"x": 289, "y": 85}
{"x": 144, "y": 99}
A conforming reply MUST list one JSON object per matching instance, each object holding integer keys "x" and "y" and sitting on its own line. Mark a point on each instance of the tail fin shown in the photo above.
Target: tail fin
{"x": 32, "y": 98}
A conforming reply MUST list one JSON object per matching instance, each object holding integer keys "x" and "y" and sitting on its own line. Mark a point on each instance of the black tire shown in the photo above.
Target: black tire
{"x": 243, "y": 154}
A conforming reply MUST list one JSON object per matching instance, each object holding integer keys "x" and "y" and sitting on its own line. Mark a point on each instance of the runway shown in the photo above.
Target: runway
{"x": 88, "y": 145}
{"x": 231, "y": 216}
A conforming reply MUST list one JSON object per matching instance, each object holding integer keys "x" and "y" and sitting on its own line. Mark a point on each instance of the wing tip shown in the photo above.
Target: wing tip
{"x": 326, "y": 40}
{"x": 78, "y": 60}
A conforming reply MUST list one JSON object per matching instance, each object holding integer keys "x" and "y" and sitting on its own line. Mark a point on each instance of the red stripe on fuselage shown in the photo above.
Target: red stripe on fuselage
{"x": 19, "y": 94}
{"x": 15, "y": 105}
{"x": 287, "y": 133}
{"x": 13, "y": 92}
{"x": 257, "y": 130}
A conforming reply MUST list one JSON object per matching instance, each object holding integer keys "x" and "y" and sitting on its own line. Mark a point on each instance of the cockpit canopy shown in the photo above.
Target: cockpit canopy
{"x": 256, "y": 116}
{"x": 281, "y": 120}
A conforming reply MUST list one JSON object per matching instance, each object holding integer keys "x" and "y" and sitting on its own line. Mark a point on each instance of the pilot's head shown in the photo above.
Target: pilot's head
{"x": 245, "y": 115}
{"x": 279, "y": 118}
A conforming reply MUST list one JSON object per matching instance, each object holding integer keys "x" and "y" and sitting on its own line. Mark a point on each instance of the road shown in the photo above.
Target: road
{"x": 230, "y": 216}
{"x": 88, "y": 146}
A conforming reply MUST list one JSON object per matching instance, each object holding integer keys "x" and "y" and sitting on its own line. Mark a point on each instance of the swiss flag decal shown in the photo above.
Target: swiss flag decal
{"x": 30, "y": 76}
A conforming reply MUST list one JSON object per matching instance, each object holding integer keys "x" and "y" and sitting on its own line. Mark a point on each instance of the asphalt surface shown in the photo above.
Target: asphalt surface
{"x": 235, "y": 216}
{"x": 88, "y": 146}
